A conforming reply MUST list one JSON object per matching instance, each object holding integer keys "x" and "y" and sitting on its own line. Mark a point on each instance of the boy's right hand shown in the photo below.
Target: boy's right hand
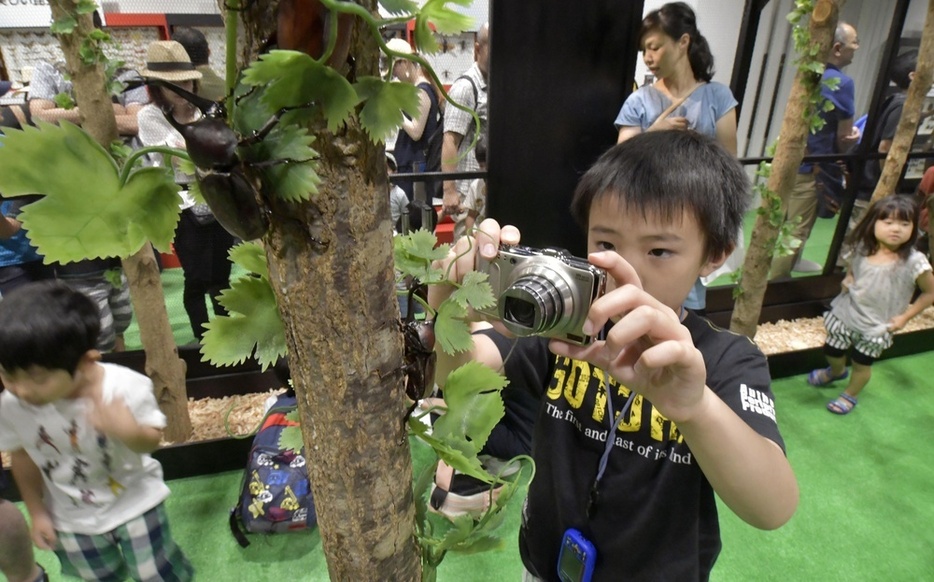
{"x": 43, "y": 531}
{"x": 462, "y": 258}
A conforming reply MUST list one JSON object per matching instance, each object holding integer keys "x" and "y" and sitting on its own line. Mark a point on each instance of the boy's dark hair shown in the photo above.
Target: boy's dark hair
{"x": 897, "y": 206}
{"x": 195, "y": 43}
{"x": 903, "y": 65}
{"x": 662, "y": 173}
{"x": 674, "y": 20}
{"x": 47, "y": 324}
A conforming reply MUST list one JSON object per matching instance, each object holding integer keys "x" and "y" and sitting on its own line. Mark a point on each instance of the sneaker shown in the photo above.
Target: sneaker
{"x": 806, "y": 266}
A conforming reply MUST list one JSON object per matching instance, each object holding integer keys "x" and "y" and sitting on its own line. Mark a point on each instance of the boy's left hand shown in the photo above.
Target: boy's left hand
{"x": 648, "y": 349}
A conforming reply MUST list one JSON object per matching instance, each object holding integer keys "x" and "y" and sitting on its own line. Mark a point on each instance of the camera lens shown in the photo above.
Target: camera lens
{"x": 533, "y": 305}
{"x": 520, "y": 311}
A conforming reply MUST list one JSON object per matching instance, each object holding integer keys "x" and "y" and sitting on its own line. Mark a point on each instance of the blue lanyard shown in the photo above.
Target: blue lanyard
{"x": 610, "y": 440}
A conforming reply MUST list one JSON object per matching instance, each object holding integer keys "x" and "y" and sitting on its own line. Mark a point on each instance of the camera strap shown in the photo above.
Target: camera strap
{"x": 610, "y": 439}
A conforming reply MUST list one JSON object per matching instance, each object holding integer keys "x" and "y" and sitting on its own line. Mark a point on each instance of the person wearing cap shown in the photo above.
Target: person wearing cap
{"x": 201, "y": 243}
{"x": 411, "y": 146}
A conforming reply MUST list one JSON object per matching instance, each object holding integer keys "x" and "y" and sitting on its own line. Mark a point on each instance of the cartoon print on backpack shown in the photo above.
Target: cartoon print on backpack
{"x": 276, "y": 495}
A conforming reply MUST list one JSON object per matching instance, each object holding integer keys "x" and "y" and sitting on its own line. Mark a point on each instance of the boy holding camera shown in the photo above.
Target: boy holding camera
{"x": 638, "y": 428}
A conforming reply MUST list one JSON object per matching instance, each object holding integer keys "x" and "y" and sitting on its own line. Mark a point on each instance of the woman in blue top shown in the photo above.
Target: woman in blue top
{"x": 683, "y": 96}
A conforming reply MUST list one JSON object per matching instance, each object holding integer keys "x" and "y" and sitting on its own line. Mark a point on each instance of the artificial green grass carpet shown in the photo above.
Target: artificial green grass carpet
{"x": 866, "y": 510}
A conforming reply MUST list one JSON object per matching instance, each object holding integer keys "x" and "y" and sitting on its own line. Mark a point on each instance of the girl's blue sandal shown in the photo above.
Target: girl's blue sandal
{"x": 843, "y": 404}
{"x": 822, "y": 377}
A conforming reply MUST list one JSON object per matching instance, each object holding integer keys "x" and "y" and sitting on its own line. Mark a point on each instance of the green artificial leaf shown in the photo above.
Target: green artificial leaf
{"x": 84, "y": 213}
{"x": 385, "y": 102}
{"x": 114, "y": 277}
{"x": 451, "y": 331}
{"x": 186, "y": 166}
{"x": 453, "y": 450}
{"x": 475, "y": 406}
{"x": 461, "y": 528}
{"x": 293, "y": 177}
{"x": 251, "y": 113}
{"x": 445, "y": 20}
{"x": 251, "y": 257}
{"x": 64, "y": 25}
{"x": 294, "y": 79}
{"x": 253, "y": 324}
{"x": 475, "y": 291}
{"x": 64, "y": 101}
{"x": 290, "y": 439}
{"x": 399, "y": 6}
{"x": 414, "y": 253}
{"x": 479, "y": 543}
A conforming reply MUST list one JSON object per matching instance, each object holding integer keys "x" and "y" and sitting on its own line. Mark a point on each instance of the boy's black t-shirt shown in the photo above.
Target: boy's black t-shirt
{"x": 656, "y": 516}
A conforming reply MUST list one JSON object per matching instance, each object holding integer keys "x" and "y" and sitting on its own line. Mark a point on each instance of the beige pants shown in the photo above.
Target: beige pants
{"x": 802, "y": 203}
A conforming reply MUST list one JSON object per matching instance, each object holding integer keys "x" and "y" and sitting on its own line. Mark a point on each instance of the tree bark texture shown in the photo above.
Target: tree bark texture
{"x": 911, "y": 112}
{"x": 331, "y": 268}
{"x": 163, "y": 365}
{"x": 792, "y": 142}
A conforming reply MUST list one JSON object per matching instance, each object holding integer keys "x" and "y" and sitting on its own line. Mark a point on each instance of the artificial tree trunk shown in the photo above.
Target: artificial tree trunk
{"x": 789, "y": 152}
{"x": 331, "y": 268}
{"x": 163, "y": 365}
{"x": 911, "y": 112}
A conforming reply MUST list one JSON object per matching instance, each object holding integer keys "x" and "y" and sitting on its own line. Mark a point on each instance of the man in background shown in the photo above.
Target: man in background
{"x": 469, "y": 90}
{"x": 819, "y": 186}
{"x": 212, "y": 85}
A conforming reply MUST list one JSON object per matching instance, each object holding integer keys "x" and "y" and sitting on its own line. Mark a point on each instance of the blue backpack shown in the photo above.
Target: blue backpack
{"x": 276, "y": 494}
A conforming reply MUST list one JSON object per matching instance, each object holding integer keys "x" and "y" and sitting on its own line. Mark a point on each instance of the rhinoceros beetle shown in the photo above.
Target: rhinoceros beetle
{"x": 212, "y": 146}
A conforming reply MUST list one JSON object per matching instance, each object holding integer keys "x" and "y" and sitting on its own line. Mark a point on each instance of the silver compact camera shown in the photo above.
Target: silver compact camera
{"x": 544, "y": 292}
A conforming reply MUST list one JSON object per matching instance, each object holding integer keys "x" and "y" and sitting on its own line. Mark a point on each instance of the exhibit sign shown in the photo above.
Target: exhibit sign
{"x": 29, "y": 13}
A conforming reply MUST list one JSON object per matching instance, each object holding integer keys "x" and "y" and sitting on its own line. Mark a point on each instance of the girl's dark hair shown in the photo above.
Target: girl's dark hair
{"x": 47, "y": 324}
{"x": 676, "y": 19}
{"x": 863, "y": 238}
{"x": 157, "y": 96}
{"x": 665, "y": 173}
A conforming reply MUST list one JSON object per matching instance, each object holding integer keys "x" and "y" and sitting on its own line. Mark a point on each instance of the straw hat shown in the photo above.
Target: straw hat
{"x": 168, "y": 61}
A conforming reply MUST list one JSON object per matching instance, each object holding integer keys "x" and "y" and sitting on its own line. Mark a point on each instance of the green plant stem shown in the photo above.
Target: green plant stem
{"x": 164, "y": 150}
{"x": 230, "y": 73}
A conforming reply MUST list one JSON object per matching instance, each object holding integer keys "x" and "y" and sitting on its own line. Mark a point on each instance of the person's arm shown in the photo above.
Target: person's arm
{"x": 115, "y": 419}
{"x": 726, "y": 131}
{"x": 127, "y": 123}
{"x": 926, "y": 282}
{"x": 46, "y": 110}
{"x": 9, "y": 227}
{"x": 28, "y": 479}
{"x": 650, "y": 351}
{"x": 627, "y": 132}
{"x": 449, "y": 147}
{"x": 415, "y": 126}
{"x": 847, "y": 134}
